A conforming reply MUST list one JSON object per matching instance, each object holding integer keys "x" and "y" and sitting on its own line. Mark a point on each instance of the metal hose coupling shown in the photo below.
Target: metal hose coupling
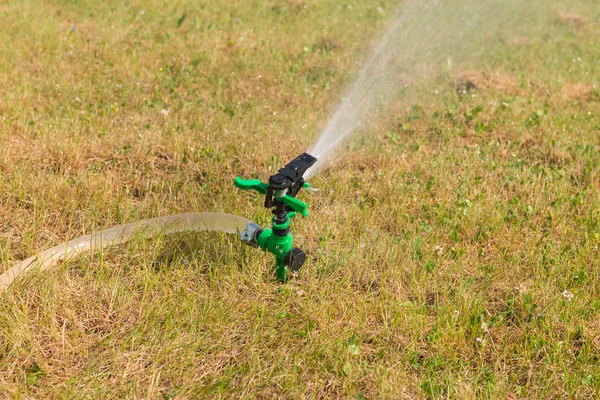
{"x": 250, "y": 234}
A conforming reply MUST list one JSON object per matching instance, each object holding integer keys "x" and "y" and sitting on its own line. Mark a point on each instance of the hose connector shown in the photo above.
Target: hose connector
{"x": 250, "y": 235}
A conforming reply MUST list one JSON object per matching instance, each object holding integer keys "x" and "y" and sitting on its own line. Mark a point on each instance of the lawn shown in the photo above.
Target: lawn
{"x": 453, "y": 250}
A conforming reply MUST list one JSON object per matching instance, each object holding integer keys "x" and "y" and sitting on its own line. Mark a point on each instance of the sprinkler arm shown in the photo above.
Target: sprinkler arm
{"x": 250, "y": 184}
{"x": 260, "y": 187}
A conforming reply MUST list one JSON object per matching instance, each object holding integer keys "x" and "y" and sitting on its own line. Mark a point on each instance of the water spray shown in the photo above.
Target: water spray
{"x": 418, "y": 48}
{"x": 280, "y": 198}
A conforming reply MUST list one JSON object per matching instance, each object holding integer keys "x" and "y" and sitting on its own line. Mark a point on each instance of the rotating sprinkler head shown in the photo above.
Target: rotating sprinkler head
{"x": 280, "y": 197}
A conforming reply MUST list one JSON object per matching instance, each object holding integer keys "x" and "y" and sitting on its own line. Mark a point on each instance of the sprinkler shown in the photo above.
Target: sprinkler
{"x": 280, "y": 197}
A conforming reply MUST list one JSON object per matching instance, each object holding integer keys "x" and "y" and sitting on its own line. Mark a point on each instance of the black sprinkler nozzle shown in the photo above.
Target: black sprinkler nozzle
{"x": 295, "y": 170}
{"x": 289, "y": 180}
{"x": 298, "y": 166}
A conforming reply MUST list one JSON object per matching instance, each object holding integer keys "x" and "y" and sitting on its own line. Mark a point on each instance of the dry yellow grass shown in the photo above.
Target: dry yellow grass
{"x": 453, "y": 252}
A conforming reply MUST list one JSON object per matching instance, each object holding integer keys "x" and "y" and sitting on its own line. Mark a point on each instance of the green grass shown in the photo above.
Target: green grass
{"x": 443, "y": 248}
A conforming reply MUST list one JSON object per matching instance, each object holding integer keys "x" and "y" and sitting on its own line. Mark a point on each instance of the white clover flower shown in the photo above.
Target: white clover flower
{"x": 521, "y": 289}
{"x": 568, "y": 295}
{"x": 484, "y": 327}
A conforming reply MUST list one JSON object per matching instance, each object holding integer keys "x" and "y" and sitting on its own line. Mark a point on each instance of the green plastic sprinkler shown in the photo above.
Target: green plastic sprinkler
{"x": 280, "y": 197}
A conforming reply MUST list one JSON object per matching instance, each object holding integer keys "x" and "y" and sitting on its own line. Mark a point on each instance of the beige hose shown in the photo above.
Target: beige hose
{"x": 119, "y": 234}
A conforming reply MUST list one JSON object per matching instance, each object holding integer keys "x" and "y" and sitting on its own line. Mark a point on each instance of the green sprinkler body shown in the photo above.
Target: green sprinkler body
{"x": 280, "y": 197}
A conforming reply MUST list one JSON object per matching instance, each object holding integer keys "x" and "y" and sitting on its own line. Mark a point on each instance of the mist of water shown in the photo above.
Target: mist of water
{"x": 428, "y": 34}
